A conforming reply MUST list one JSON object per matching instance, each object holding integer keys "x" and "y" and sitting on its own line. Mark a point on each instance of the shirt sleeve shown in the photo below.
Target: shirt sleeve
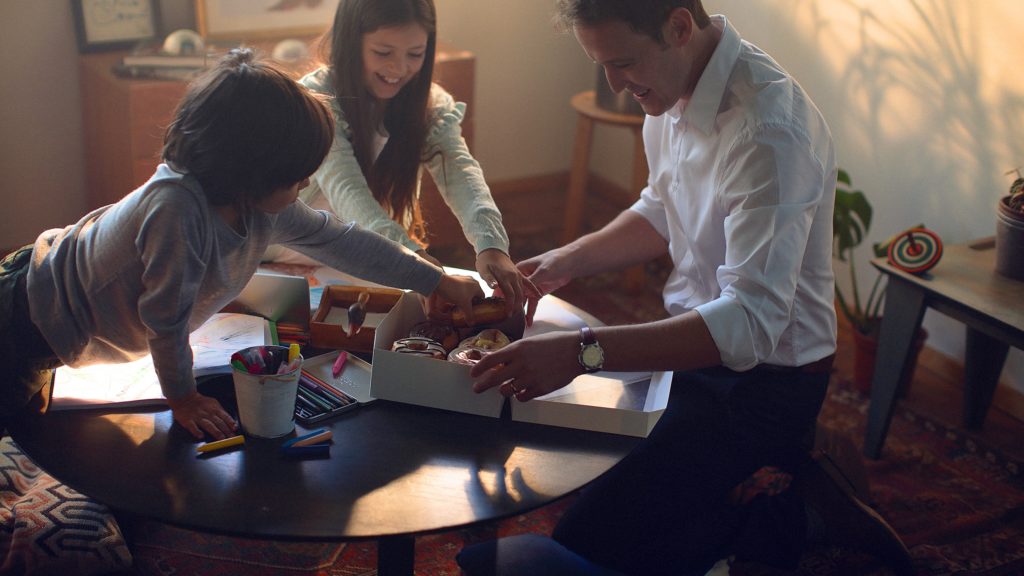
{"x": 348, "y": 247}
{"x": 459, "y": 177}
{"x": 172, "y": 274}
{"x": 770, "y": 185}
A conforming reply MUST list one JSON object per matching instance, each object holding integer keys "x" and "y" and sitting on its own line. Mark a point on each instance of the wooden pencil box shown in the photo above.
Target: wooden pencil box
{"x": 329, "y": 326}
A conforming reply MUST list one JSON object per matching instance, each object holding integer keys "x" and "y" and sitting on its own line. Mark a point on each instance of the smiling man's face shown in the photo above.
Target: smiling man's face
{"x": 655, "y": 74}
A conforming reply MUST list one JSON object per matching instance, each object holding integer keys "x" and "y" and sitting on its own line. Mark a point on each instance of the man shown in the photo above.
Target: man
{"x": 740, "y": 195}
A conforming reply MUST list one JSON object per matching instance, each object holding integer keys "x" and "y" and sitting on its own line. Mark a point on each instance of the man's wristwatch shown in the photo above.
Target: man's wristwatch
{"x": 591, "y": 353}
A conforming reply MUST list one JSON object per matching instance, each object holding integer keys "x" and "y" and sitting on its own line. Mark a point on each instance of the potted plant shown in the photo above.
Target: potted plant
{"x": 851, "y": 222}
{"x": 1010, "y": 230}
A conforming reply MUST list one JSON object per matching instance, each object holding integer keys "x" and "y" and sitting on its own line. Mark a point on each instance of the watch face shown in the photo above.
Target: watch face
{"x": 592, "y": 357}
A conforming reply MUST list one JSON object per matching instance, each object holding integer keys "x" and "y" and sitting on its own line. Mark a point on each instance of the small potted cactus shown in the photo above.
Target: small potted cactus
{"x": 1010, "y": 230}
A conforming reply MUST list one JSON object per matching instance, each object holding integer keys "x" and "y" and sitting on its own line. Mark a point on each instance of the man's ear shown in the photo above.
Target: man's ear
{"x": 678, "y": 28}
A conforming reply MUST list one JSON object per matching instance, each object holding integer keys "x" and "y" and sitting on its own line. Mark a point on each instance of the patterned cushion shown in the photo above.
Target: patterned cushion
{"x": 48, "y": 528}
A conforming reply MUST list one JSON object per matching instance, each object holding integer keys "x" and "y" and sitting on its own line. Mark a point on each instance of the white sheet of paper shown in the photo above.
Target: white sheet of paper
{"x": 135, "y": 383}
{"x": 218, "y": 338}
{"x": 131, "y": 384}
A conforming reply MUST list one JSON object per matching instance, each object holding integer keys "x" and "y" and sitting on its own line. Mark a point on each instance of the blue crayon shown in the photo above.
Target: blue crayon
{"x": 311, "y": 451}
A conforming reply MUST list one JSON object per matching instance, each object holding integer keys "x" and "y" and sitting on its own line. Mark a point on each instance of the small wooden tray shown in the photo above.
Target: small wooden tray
{"x": 329, "y": 326}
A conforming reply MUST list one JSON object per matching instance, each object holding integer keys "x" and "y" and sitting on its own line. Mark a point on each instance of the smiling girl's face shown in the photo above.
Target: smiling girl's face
{"x": 392, "y": 56}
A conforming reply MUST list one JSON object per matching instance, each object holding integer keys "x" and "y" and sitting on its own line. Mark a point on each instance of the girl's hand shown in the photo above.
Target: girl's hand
{"x": 498, "y": 271}
{"x": 455, "y": 290}
{"x": 201, "y": 414}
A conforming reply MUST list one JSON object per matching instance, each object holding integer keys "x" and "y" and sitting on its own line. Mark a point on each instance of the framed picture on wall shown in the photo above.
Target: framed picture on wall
{"x": 113, "y": 24}
{"x": 254, "y": 19}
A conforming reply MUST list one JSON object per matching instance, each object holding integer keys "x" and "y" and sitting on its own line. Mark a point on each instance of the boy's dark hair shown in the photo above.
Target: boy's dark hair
{"x": 394, "y": 176}
{"x": 245, "y": 129}
{"x": 642, "y": 16}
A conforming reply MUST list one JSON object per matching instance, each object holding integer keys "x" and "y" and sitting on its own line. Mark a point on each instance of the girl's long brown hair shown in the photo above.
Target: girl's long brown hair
{"x": 394, "y": 176}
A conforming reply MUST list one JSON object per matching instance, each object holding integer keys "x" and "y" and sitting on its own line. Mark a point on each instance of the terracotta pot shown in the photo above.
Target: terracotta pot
{"x": 865, "y": 349}
{"x": 1009, "y": 241}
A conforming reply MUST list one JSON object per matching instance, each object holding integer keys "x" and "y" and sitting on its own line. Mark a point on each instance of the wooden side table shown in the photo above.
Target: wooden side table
{"x": 965, "y": 287}
{"x": 585, "y": 104}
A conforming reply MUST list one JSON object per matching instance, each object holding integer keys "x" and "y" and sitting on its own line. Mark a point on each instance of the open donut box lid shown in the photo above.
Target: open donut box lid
{"x": 615, "y": 402}
{"x": 329, "y": 325}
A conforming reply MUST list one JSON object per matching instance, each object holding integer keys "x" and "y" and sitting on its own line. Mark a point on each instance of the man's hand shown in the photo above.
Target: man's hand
{"x": 201, "y": 414}
{"x": 530, "y": 367}
{"x": 546, "y": 273}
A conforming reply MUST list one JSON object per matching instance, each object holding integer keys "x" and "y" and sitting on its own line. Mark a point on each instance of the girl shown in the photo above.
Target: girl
{"x": 391, "y": 119}
{"x": 139, "y": 275}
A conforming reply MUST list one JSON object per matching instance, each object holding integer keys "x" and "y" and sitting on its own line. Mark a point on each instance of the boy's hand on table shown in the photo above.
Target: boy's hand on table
{"x": 202, "y": 416}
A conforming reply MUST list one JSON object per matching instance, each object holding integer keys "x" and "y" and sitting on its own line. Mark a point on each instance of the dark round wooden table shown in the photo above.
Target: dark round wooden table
{"x": 395, "y": 471}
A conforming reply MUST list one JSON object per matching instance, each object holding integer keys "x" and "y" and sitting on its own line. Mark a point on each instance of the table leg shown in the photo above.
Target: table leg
{"x": 395, "y": 555}
{"x": 983, "y": 362}
{"x": 578, "y": 179}
{"x": 904, "y": 309}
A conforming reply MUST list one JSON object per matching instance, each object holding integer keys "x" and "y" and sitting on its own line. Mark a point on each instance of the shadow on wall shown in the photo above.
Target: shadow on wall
{"x": 915, "y": 93}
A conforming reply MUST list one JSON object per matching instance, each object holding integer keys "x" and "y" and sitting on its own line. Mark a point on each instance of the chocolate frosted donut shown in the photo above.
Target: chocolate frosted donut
{"x": 419, "y": 347}
{"x": 443, "y": 334}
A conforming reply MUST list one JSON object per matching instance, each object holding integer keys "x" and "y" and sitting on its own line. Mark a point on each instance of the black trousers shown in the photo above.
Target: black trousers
{"x": 25, "y": 354}
{"x": 665, "y": 508}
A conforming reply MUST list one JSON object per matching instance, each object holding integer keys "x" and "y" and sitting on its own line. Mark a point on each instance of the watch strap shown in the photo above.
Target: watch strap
{"x": 587, "y": 336}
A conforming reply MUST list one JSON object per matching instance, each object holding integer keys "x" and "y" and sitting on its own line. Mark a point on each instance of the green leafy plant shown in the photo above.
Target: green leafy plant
{"x": 1015, "y": 199}
{"x": 851, "y": 222}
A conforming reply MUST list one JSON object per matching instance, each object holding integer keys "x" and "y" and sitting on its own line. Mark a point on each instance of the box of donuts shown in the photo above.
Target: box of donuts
{"x": 348, "y": 316}
{"x": 419, "y": 361}
{"x": 427, "y": 362}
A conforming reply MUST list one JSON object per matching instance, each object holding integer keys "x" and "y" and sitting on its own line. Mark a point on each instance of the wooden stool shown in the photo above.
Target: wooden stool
{"x": 589, "y": 112}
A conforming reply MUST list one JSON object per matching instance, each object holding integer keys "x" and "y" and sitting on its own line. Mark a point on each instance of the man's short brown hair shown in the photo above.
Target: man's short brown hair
{"x": 643, "y": 16}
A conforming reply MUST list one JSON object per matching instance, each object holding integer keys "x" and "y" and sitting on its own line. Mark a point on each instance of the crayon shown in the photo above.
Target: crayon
{"x": 314, "y": 451}
{"x": 326, "y": 386}
{"x": 327, "y": 402}
{"x": 310, "y": 404}
{"x": 315, "y": 437}
{"x": 221, "y": 444}
{"x": 321, "y": 391}
{"x": 339, "y": 363}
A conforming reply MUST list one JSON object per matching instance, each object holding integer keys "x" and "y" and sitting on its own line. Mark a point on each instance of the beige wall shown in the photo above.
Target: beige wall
{"x": 924, "y": 100}
{"x": 40, "y": 124}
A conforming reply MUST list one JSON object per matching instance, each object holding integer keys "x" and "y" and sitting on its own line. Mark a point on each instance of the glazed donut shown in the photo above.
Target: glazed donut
{"x": 489, "y": 339}
{"x": 419, "y": 347}
{"x": 443, "y": 334}
{"x": 485, "y": 311}
{"x": 467, "y": 355}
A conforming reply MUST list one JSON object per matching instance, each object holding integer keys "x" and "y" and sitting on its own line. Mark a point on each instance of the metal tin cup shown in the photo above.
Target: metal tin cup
{"x": 266, "y": 402}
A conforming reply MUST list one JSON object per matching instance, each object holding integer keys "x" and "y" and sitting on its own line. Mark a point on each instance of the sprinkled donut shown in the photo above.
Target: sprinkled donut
{"x": 467, "y": 355}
